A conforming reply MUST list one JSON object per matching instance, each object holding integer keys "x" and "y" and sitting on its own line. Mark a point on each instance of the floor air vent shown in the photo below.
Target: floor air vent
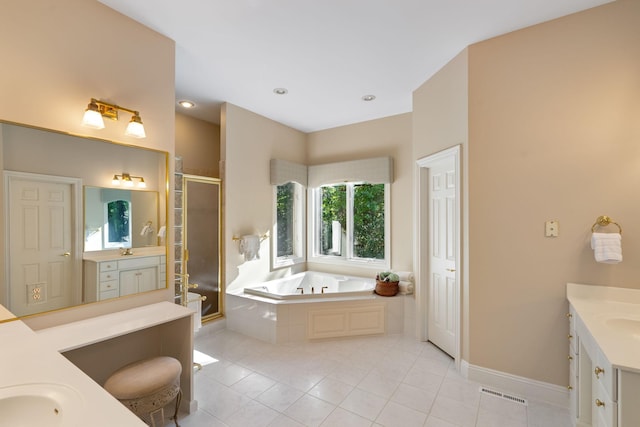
{"x": 503, "y": 395}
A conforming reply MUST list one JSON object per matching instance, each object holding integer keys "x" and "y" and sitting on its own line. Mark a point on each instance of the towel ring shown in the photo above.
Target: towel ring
{"x": 603, "y": 221}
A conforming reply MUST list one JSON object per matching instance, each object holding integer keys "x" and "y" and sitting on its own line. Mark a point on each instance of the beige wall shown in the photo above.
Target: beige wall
{"x": 198, "y": 143}
{"x": 390, "y": 136}
{"x": 440, "y": 121}
{"x": 554, "y": 134}
{"x": 56, "y": 56}
{"x": 249, "y": 141}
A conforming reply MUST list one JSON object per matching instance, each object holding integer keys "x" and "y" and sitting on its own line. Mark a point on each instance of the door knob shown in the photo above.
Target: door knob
{"x": 451, "y": 270}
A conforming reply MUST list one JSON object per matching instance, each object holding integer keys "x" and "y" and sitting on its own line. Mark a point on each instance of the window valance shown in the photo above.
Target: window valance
{"x": 378, "y": 170}
{"x": 283, "y": 171}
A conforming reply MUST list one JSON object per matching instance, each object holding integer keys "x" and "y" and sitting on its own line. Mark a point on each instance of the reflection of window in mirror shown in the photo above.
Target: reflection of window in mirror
{"x": 117, "y": 228}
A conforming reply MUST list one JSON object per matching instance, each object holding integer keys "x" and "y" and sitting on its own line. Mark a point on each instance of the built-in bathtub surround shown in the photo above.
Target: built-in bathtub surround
{"x": 316, "y": 315}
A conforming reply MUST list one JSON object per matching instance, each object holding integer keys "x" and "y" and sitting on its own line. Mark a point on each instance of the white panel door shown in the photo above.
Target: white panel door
{"x": 40, "y": 244}
{"x": 442, "y": 265}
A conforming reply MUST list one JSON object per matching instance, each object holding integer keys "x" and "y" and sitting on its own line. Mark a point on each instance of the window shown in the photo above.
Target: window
{"x": 288, "y": 241}
{"x": 350, "y": 223}
{"x": 117, "y": 230}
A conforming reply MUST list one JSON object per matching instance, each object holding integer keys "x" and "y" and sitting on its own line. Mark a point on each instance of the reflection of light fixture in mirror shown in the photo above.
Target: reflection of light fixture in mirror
{"x": 127, "y": 180}
{"x": 96, "y": 110}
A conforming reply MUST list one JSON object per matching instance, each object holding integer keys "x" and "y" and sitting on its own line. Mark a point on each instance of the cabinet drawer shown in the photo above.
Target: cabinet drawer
{"x": 149, "y": 261}
{"x": 605, "y": 410}
{"x": 109, "y": 286}
{"x": 108, "y": 275}
{"x": 108, "y": 266}
{"x": 109, "y": 294}
{"x": 605, "y": 375}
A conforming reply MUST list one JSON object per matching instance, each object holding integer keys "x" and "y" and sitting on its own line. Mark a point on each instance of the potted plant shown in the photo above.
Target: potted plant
{"x": 387, "y": 284}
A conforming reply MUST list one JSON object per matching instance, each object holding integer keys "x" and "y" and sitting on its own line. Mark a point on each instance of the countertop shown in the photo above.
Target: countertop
{"x": 109, "y": 255}
{"x": 70, "y": 336}
{"x": 612, "y": 317}
{"x": 26, "y": 359}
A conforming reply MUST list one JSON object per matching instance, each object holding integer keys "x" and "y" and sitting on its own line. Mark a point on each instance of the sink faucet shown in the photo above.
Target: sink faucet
{"x": 127, "y": 251}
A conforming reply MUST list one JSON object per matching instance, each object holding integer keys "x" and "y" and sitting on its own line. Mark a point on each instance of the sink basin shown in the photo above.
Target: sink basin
{"x": 39, "y": 404}
{"x": 631, "y": 326}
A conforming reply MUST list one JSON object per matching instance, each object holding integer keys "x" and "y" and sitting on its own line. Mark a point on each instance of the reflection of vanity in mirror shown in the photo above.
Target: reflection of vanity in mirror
{"x": 121, "y": 224}
{"x": 72, "y": 236}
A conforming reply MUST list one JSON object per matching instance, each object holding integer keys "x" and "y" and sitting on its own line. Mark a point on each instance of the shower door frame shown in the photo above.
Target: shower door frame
{"x": 185, "y": 239}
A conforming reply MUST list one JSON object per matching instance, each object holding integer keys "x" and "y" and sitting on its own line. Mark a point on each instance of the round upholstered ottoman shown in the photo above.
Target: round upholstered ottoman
{"x": 146, "y": 386}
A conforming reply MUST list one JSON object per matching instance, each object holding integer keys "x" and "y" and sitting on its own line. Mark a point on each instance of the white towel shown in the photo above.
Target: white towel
{"x": 406, "y": 276}
{"x": 405, "y": 287}
{"x": 250, "y": 247}
{"x": 607, "y": 247}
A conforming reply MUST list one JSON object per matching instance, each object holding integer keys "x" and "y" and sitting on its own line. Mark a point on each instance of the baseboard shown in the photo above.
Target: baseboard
{"x": 520, "y": 386}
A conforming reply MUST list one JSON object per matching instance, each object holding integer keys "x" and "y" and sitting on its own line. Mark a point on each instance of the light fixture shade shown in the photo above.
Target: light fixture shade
{"x": 92, "y": 117}
{"x": 141, "y": 183}
{"x": 115, "y": 180}
{"x": 135, "y": 127}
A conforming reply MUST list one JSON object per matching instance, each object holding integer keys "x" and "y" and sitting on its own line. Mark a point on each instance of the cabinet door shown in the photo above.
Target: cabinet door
{"x": 147, "y": 279}
{"x": 141, "y": 280}
{"x": 128, "y": 282}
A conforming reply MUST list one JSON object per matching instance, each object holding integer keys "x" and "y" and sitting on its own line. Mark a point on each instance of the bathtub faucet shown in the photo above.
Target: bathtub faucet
{"x": 301, "y": 290}
{"x": 323, "y": 288}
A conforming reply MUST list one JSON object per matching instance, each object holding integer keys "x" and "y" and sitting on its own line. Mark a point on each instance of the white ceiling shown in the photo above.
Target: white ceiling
{"x": 327, "y": 53}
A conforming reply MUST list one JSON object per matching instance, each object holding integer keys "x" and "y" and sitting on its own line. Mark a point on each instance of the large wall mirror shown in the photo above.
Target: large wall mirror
{"x": 78, "y": 225}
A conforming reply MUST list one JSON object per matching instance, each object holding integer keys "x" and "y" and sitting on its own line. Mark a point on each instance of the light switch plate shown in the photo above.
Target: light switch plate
{"x": 551, "y": 229}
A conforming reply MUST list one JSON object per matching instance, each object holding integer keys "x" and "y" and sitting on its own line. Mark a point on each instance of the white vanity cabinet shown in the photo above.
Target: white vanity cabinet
{"x": 104, "y": 279}
{"x": 604, "y": 356}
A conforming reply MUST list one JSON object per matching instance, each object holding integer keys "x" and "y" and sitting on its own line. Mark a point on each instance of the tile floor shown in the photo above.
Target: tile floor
{"x": 367, "y": 381}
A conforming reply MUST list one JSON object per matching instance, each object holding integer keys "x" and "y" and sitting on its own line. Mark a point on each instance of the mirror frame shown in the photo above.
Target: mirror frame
{"x": 4, "y": 316}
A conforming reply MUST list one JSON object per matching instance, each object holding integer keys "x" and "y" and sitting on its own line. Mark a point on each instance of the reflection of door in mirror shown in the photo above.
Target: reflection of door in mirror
{"x": 43, "y": 250}
{"x": 202, "y": 222}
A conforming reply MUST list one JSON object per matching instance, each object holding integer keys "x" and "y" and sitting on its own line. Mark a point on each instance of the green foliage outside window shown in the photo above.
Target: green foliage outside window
{"x": 118, "y": 221}
{"x": 284, "y": 216}
{"x": 368, "y": 219}
{"x": 334, "y": 208}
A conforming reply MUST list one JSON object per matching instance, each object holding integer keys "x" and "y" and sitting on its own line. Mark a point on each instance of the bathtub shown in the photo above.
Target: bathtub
{"x": 313, "y": 285}
{"x": 276, "y": 311}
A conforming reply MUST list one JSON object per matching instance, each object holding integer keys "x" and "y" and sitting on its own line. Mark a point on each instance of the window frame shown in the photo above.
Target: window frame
{"x": 299, "y": 226}
{"x": 314, "y": 221}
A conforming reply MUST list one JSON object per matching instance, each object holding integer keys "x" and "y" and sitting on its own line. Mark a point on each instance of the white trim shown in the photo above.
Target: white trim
{"x": 421, "y": 246}
{"x": 524, "y": 387}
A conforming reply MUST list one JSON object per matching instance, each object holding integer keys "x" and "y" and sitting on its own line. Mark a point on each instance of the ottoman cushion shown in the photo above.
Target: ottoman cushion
{"x": 143, "y": 378}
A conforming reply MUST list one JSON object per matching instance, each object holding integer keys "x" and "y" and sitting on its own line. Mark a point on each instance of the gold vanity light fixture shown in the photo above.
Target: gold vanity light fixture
{"x": 127, "y": 180}
{"x": 96, "y": 110}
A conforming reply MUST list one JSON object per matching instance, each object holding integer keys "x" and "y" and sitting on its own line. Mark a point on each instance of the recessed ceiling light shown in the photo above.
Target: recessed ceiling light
{"x": 368, "y": 97}
{"x": 186, "y": 104}
{"x": 280, "y": 91}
